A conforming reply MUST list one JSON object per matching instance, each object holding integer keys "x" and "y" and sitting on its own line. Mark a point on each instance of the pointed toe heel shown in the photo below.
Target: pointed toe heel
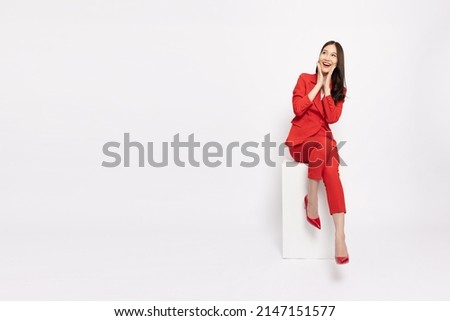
{"x": 313, "y": 221}
{"x": 342, "y": 260}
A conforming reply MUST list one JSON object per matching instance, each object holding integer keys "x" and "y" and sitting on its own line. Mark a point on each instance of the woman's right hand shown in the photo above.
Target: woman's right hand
{"x": 320, "y": 79}
{"x": 313, "y": 93}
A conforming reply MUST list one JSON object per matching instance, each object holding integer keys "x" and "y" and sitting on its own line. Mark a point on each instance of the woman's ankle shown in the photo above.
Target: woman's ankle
{"x": 339, "y": 236}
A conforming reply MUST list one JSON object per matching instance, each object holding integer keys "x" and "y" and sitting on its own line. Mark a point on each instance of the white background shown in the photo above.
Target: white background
{"x": 77, "y": 74}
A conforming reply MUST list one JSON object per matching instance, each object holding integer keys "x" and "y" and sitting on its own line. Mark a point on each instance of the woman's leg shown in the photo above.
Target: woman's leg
{"x": 312, "y": 210}
{"x": 314, "y": 149}
{"x": 333, "y": 185}
{"x": 315, "y": 153}
{"x": 336, "y": 201}
{"x": 340, "y": 246}
{"x": 311, "y": 152}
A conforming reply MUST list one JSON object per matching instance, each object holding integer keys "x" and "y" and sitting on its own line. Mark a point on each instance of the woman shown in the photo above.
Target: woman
{"x": 317, "y": 100}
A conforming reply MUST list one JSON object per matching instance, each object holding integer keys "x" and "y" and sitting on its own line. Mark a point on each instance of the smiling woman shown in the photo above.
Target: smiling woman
{"x": 310, "y": 137}
{"x": 328, "y": 61}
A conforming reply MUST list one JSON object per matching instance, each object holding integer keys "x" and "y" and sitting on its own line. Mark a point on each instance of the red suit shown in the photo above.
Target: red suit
{"x": 311, "y": 141}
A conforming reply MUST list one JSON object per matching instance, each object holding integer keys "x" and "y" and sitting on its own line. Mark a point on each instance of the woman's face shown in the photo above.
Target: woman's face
{"x": 328, "y": 58}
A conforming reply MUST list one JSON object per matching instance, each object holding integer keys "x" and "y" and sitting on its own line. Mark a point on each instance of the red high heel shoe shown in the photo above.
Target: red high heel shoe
{"x": 313, "y": 221}
{"x": 342, "y": 260}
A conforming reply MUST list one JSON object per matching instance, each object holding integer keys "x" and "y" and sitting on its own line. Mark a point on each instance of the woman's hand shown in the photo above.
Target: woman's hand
{"x": 326, "y": 86}
{"x": 319, "y": 76}
{"x": 328, "y": 79}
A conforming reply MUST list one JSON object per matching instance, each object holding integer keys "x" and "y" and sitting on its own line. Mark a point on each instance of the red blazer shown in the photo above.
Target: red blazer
{"x": 311, "y": 115}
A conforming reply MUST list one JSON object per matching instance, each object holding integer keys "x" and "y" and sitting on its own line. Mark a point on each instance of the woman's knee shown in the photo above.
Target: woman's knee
{"x": 295, "y": 153}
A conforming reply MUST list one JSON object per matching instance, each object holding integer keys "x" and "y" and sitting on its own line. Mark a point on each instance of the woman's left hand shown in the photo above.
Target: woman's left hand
{"x": 328, "y": 78}
{"x": 326, "y": 87}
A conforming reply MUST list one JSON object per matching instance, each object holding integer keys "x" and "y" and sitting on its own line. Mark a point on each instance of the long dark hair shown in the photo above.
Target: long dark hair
{"x": 338, "y": 76}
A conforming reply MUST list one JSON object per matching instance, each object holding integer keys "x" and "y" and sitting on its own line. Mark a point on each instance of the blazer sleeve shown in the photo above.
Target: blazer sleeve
{"x": 300, "y": 99}
{"x": 333, "y": 111}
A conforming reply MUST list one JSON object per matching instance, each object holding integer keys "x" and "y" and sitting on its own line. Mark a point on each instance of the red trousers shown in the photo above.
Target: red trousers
{"x": 321, "y": 155}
